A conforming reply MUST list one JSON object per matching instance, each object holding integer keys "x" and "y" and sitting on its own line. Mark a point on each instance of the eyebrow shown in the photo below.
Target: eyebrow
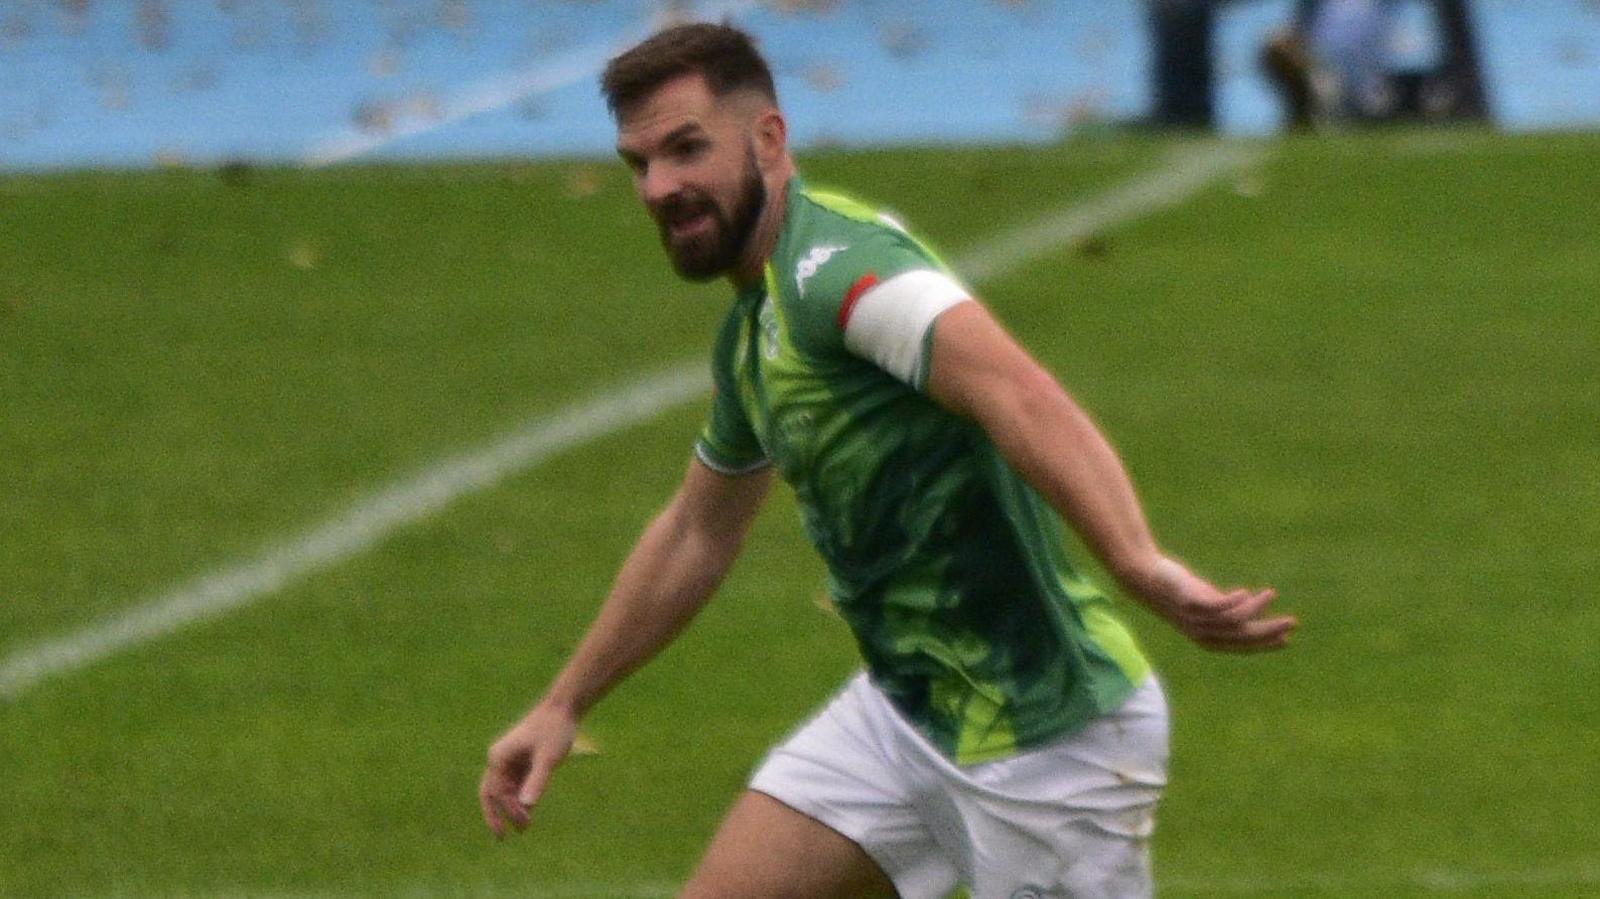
{"x": 679, "y": 133}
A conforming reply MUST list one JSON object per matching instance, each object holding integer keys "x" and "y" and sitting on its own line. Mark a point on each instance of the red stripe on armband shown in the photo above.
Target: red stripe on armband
{"x": 854, "y": 293}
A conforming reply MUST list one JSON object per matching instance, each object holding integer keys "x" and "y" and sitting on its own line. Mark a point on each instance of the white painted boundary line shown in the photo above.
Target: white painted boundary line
{"x": 373, "y": 518}
{"x": 503, "y": 90}
{"x": 1183, "y": 177}
{"x": 360, "y": 527}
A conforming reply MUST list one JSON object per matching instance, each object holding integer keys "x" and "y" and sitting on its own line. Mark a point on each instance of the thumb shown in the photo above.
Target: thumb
{"x": 538, "y": 776}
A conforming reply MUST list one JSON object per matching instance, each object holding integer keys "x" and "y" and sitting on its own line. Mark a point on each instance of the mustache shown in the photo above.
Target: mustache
{"x": 681, "y": 207}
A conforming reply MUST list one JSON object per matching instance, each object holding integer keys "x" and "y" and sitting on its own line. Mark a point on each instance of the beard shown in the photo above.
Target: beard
{"x": 714, "y": 251}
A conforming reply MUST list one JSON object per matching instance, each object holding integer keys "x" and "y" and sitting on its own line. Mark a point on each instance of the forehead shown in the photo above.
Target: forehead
{"x": 685, "y": 100}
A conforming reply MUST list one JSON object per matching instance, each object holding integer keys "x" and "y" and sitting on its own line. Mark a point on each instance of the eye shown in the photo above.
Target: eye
{"x": 633, "y": 161}
{"x": 691, "y": 149}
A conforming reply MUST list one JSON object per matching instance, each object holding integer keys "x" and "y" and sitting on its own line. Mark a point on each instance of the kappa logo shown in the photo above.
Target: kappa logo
{"x": 813, "y": 261}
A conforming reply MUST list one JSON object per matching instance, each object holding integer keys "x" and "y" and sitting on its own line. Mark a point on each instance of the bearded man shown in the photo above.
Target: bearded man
{"x": 1006, "y": 734}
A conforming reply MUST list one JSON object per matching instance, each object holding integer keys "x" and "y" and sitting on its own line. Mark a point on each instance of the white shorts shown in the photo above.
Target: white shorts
{"x": 1069, "y": 819}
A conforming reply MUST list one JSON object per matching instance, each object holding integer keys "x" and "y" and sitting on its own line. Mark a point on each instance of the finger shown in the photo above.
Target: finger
{"x": 1249, "y": 604}
{"x": 514, "y": 810}
{"x": 1266, "y": 630}
{"x": 498, "y": 797}
{"x": 1217, "y": 611}
{"x": 1246, "y": 630}
{"x": 491, "y": 811}
{"x": 1234, "y": 608}
{"x": 1251, "y": 636}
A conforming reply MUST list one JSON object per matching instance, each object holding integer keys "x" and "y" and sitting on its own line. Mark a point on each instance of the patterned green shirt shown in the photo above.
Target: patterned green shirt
{"x": 948, "y": 567}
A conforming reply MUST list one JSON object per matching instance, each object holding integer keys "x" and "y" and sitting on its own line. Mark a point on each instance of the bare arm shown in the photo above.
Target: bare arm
{"x": 671, "y": 572}
{"x": 981, "y": 373}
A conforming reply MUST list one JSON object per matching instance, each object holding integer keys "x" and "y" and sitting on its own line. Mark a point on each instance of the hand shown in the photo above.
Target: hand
{"x": 1225, "y": 622}
{"x": 520, "y": 764}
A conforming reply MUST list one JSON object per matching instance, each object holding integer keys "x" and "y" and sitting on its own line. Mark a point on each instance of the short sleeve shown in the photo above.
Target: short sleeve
{"x": 891, "y": 321}
{"x": 841, "y": 306}
{"x": 727, "y": 443}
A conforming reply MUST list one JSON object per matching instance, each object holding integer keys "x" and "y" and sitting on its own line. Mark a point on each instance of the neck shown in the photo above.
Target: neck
{"x": 765, "y": 237}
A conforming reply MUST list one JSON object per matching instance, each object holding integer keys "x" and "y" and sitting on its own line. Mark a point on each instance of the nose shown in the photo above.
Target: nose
{"x": 658, "y": 182}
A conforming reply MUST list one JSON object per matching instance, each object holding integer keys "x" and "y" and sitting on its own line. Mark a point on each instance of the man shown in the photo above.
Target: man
{"x": 1007, "y": 734}
{"x": 1183, "y": 70}
{"x": 1346, "y": 50}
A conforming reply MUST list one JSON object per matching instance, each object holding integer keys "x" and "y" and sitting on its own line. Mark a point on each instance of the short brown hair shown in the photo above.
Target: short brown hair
{"x": 725, "y": 56}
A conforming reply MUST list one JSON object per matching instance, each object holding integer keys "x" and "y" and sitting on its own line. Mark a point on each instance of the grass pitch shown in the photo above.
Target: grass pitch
{"x": 1363, "y": 372}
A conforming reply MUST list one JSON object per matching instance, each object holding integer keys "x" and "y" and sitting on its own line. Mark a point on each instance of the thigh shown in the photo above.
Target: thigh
{"x": 767, "y": 850}
{"x": 1073, "y": 819}
{"x": 841, "y": 770}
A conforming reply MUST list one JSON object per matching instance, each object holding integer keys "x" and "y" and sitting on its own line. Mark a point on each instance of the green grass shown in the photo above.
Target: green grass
{"x": 1364, "y": 373}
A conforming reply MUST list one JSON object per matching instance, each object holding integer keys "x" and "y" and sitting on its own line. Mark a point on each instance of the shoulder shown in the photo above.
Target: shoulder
{"x": 834, "y": 233}
{"x": 835, "y": 248}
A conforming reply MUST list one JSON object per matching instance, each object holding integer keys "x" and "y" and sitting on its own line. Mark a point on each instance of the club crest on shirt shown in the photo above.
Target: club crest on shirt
{"x": 813, "y": 261}
{"x": 771, "y": 332}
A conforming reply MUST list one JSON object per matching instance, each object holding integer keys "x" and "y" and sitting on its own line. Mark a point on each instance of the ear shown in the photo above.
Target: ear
{"x": 771, "y": 134}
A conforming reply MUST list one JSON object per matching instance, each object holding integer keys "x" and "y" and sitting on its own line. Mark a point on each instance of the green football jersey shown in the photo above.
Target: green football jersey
{"x": 949, "y": 569}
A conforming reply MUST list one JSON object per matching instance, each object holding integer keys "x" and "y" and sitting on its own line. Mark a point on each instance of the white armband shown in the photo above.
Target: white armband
{"x": 888, "y": 322}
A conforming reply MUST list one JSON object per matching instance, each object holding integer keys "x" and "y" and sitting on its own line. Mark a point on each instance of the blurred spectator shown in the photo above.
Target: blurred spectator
{"x": 1184, "y": 75}
{"x": 1350, "y": 42}
{"x": 1340, "y": 61}
{"x": 1459, "y": 78}
{"x": 1335, "y": 61}
{"x": 1286, "y": 61}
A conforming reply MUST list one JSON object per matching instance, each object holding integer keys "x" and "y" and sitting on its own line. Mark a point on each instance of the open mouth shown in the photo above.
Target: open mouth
{"x": 689, "y": 226}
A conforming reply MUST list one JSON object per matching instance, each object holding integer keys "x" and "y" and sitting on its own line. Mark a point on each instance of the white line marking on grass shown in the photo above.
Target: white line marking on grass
{"x": 1185, "y": 175}
{"x": 500, "y": 91}
{"x": 358, "y": 528}
{"x": 370, "y": 520}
